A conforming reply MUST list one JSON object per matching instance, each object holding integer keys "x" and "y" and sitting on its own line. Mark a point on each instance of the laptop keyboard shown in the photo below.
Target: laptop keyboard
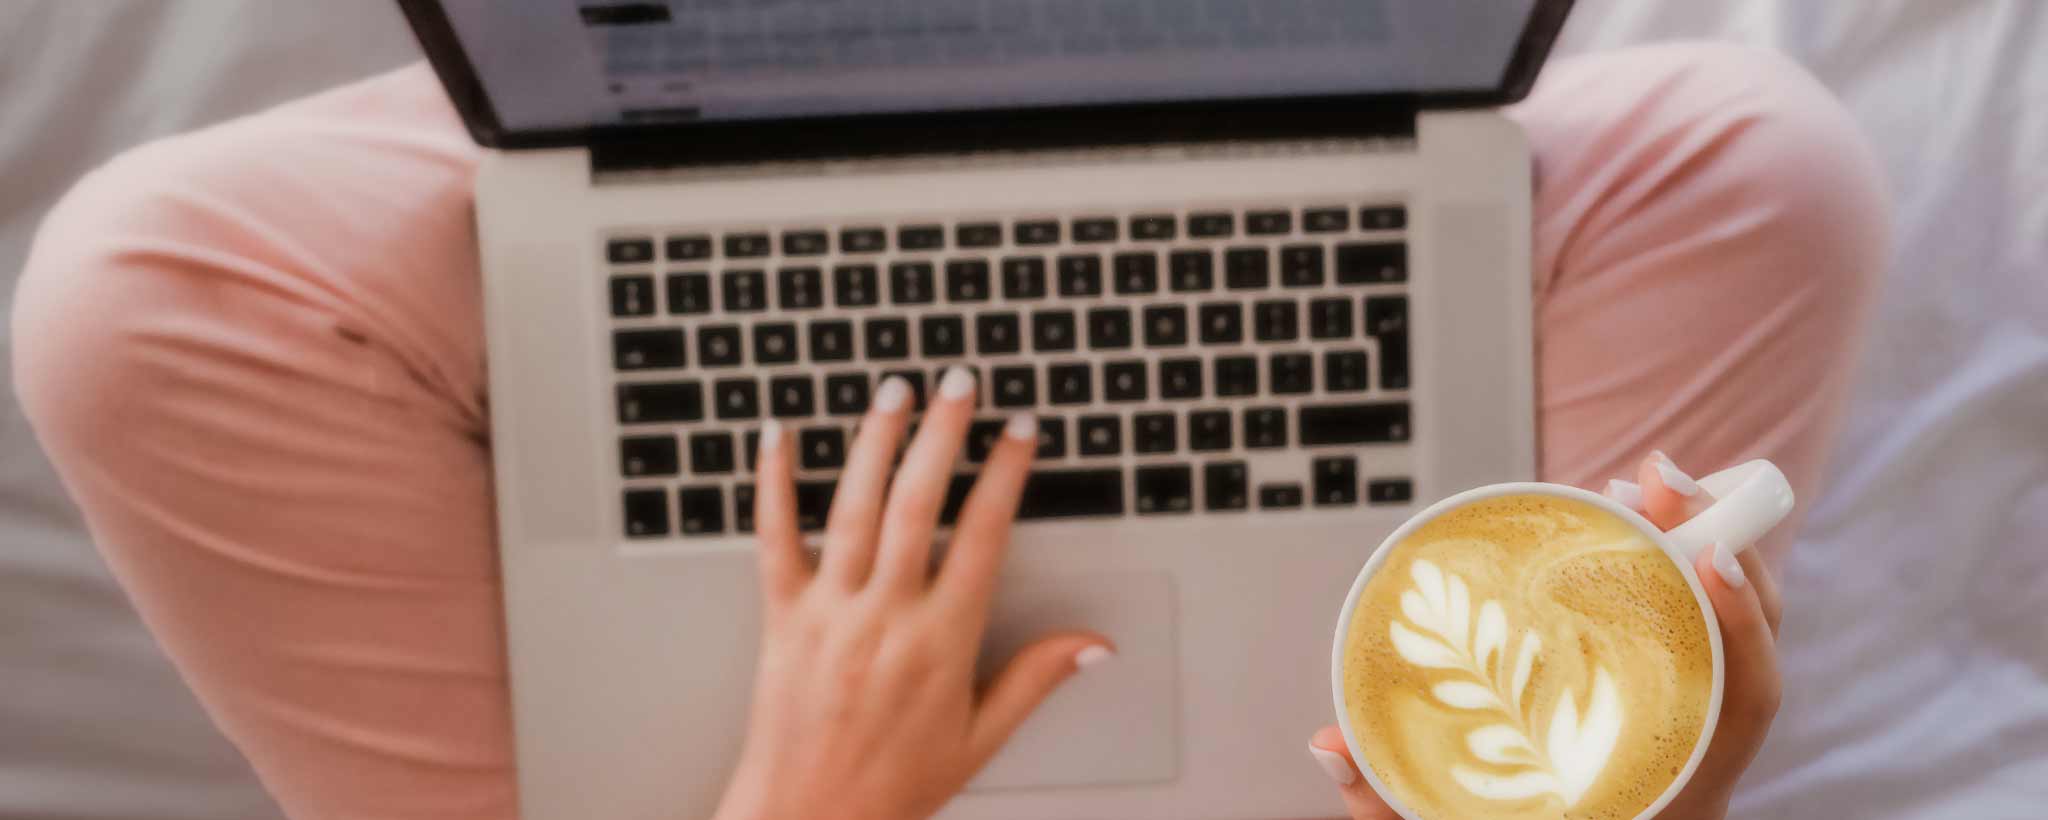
{"x": 1196, "y": 363}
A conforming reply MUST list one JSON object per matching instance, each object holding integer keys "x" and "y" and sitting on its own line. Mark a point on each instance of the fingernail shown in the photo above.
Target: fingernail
{"x": 1022, "y": 427}
{"x": 957, "y": 383}
{"x": 1728, "y": 568}
{"x": 771, "y": 436}
{"x": 892, "y": 395}
{"x": 1334, "y": 765}
{"x": 1625, "y": 493}
{"x": 1676, "y": 478}
{"x": 1092, "y": 656}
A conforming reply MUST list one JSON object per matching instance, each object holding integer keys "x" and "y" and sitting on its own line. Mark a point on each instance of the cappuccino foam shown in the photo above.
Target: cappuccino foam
{"x": 1528, "y": 656}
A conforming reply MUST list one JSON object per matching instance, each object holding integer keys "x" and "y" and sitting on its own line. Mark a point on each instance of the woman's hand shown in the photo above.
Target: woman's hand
{"x": 865, "y": 706}
{"x": 1745, "y": 599}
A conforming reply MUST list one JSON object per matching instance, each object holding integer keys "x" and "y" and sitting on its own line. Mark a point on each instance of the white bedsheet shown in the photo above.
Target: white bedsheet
{"x": 1916, "y": 642}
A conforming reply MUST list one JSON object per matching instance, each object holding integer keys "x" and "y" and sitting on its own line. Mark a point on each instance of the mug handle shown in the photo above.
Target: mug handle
{"x": 1749, "y": 499}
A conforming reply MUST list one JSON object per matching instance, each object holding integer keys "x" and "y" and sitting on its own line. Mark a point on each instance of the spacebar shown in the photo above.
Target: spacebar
{"x": 1072, "y": 493}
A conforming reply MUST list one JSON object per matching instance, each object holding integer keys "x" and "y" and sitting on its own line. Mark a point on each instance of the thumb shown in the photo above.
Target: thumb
{"x": 1334, "y": 755}
{"x": 1031, "y": 674}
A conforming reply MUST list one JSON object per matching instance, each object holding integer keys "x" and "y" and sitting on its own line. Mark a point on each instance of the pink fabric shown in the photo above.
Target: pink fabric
{"x": 255, "y": 354}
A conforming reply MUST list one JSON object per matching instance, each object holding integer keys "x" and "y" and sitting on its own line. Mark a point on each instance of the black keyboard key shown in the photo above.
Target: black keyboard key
{"x": 1279, "y": 496}
{"x": 1383, "y": 218}
{"x": 822, "y": 448}
{"x": 1109, "y": 328}
{"x": 1165, "y": 489}
{"x": 629, "y": 251}
{"x": 804, "y": 243}
{"x": 856, "y": 285}
{"x": 1267, "y": 223}
{"x": 920, "y": 237}
{"x": 800, "y": 288}
{"x": 1335, "y": 480}
{"x": 1024, "y": 277}
{"x": 1052, "y": 438}
{"x": 711, "y": 453}
{"x": 1225, "y": 486}
{"x": 686, "y": 248}
{"x": 1053, "y": 331}
{"x": 1389, "y": 491}
{"x": 1014, "y": 386}
{"x": 1222, "y": 323}
{"x": 1080, "y": 275}
{"x": 703, "y": 509}
{"x": 647, "y": 349}
{"x": 1124, "y": 381}
{"x": 914, "y": 379}
{"x": 1153, "y": 226}
{"x": 1136, "y": 272}
{"x": 1072, "y": 493}
{"x": 831, "y": 340}
{"x": 1069, "y": 384}
{"x": 1209, "y": 430}
{"x": 1325, "y": 220}
{"x": 1155, "y": 433}
{"x": 632, "y": 295}
{"x": 736, "y": 398}
{"x": 1180, "y": 378}
{"x": 888, "y": 338}
{"x": 1191, "y": 271}
{"x": 1276, "y": 321}
{"x": 978, "y": 234}
{"x": 1213, "y": 224}
{"x": 813, "y": 504}
{"x": 1329, "y": 319}
{"x": 1386, "y": 320}
{"x": 775, "y": 343}
{"x": 751, "y": 448}
{"x": 1394, "y": 362}
{"x": 646, "y": 513}
{"x": 1094, "y": 230}
{"x": 689, "y": 293}
{"x": 944, "y": 336}
{"x": 1301, "y": 266}
{"x": 957, "y": 489}
{"x": 862, "y": 240}
{"x": 791, "y": 397}
{"x": 1292, "y": 373}
{"x": 1265, "y": 427}
{"x": 981, "y": 438}
{"x": 746, "y": 245}
{"x": 745, "y": 291}
{"x": 719, "y": 346}
{"x": 1354, "y": 424}
{"x": 1365, "y": 263}
{"x": 1247, "y": 268}
{"x": 1038, "y": 232}
{"x": 742, "y": 508}
{"x": 660, "y": 402}
{"x": 1237, "y": 375}
{"x": 967, "y": 280}
{"x": 1344, "y": 371}
{"x": 997, "y": 334}
{"x": 846, "y": 394}
{"x": 1100, "y": 435}
{"x": 911, "y": 283}
{"x": 648, "y": 455}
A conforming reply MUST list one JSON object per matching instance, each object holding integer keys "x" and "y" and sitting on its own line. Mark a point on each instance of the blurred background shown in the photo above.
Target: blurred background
{"x": 1916, "y": 639}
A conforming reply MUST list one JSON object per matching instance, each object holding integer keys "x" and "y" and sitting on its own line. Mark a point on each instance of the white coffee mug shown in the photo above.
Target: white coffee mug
{"x": 1749, "y": 499}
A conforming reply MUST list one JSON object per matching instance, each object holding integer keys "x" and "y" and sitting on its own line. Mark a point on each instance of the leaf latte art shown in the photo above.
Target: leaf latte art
{"x": 1526, "y": 657}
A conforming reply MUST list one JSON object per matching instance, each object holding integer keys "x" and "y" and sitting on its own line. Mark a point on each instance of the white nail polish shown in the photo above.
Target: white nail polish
{"x": 771, "y": 436}
{"x": 1625, "y": 493}
{"x": 1728, "y": 568}
{"x": 892, "y": 395}
{"x": 1092, "y": 656}
{"x": 1676, "y": 479}
{"x": 1334, "y": 765}
{"x": 957, "y": 383}
{"x": 1022, "y": 427}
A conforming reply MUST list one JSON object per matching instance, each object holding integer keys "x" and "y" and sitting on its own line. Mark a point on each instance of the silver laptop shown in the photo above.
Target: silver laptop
{"x": 1260, "y": 266}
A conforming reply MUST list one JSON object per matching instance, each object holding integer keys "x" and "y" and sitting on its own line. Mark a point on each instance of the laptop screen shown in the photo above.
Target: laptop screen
{"x": 581, "y": 65}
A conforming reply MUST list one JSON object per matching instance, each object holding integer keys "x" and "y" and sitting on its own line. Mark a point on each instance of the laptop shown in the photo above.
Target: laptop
{"x": 1261, "y": 267}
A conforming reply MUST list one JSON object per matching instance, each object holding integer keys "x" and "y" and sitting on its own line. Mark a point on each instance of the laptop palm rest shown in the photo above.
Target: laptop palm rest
{"x": 1112, "y": 724}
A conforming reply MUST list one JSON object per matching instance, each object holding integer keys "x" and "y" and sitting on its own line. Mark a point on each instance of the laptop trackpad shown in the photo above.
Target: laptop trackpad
{"x": 1114, "y": 723}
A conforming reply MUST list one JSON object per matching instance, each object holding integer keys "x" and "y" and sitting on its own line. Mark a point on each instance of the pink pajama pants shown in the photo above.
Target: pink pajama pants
{"x": 254, "y": 353}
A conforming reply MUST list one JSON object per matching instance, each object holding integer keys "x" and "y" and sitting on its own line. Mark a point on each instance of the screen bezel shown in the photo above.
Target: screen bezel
{"x": 1048, "y": 125}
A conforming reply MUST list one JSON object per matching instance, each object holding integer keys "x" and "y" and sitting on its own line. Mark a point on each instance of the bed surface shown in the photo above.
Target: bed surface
{"x": 1916, "y": 646}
